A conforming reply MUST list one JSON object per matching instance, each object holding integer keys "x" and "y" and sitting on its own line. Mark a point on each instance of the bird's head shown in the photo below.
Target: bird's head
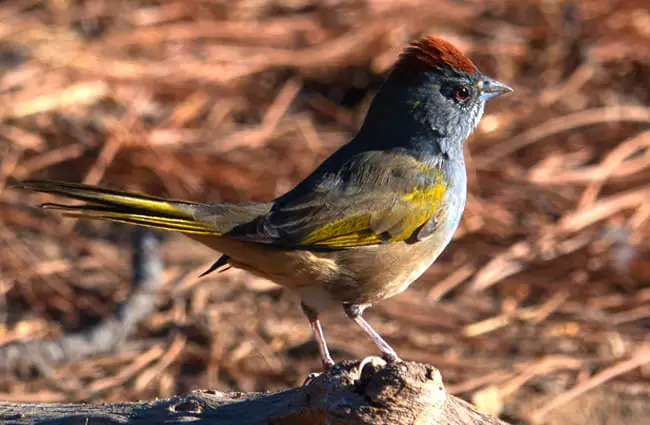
{"x": 434, "y": 87}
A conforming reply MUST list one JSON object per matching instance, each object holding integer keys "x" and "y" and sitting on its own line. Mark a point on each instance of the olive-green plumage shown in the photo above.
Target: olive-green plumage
{"x": 367, "y": 222}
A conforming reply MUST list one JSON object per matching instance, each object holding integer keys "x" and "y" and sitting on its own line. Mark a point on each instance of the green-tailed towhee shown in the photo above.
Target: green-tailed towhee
{"x": 362, "y": 226}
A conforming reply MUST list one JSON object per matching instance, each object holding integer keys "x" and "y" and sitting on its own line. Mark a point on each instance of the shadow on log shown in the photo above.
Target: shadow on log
{"x": 404, "y": 393}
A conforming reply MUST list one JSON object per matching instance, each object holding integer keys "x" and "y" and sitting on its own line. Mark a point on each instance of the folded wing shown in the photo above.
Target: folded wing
{"x": 375, "y": 197}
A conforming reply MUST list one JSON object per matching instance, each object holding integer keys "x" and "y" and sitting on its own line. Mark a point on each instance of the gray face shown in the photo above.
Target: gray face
{"x": 457, "y": 101}
{"x": 429, "y": 113}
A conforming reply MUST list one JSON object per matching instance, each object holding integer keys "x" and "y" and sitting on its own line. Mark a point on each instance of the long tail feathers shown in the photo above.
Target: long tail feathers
{"x": 122, "y": 207}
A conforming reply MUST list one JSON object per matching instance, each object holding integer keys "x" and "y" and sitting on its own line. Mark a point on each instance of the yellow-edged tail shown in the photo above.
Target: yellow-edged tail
{"x": 123, "y": 207}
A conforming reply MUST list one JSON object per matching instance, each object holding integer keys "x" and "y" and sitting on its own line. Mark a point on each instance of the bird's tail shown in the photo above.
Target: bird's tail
{"x": 123, "y": 207}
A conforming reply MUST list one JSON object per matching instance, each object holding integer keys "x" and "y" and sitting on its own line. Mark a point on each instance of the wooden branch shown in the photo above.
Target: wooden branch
{"x": 404, "y": 393}
{"x": 25, "y": 358}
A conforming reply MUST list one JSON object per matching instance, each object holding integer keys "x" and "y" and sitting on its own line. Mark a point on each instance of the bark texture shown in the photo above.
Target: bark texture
{"x": 400, "y": 394}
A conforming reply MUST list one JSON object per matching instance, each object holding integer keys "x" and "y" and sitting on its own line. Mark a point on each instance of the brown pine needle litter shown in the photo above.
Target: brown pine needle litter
{"x": 540, "y": 306}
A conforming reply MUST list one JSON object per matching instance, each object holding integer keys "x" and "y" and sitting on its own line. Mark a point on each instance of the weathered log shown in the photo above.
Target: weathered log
{"x": 399, "y": 394}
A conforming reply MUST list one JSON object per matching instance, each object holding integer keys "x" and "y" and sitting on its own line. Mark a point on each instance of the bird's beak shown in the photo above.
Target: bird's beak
{"x": 492, "y": 88}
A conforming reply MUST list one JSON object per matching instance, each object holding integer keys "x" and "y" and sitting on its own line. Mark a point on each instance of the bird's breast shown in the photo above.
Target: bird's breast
{"x": 455, "y": 175}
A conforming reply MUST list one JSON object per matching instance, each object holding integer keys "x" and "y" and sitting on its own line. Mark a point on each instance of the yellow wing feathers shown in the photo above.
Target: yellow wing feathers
{"x": 395, "y": 223}
{"x": 345, "y": 232}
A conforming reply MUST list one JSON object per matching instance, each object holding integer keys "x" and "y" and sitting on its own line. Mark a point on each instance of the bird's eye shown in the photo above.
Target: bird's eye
{"x": 462, "y": 93}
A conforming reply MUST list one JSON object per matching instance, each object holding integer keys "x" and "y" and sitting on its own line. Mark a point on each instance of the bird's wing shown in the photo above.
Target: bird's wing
{"x": 375, "y": 197}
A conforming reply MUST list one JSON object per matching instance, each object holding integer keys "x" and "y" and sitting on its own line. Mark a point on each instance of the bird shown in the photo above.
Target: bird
{"x": 366, "y": 223}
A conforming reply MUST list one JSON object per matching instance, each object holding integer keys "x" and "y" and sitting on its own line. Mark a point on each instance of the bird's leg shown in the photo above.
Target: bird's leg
{"x": 354, "y": 312}
{"x": 316, "y": 328}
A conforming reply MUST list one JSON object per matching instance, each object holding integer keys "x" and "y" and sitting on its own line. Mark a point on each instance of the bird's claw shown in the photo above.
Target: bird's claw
{"x": 391, "y": 357}
{"x": 375, "y": 361}
{"x": 310, "y": 378}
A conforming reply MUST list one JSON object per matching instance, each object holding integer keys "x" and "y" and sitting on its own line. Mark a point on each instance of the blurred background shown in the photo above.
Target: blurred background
{"x": 539, "y": 311}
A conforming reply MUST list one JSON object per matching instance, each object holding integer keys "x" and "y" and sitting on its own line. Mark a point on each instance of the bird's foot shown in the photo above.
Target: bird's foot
{"x": 310, "y": 378}
{"x": 373, "y": 360}
{"x": 370, "y": 361}
{"x": 328, "y": 363}
{"x": 391, "y": 357}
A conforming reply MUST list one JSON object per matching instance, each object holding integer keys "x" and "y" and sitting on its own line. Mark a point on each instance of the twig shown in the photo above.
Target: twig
{"x": 565, "y": 123}
{"x": 106, "y": 336}
{"x": 641, "y": 357}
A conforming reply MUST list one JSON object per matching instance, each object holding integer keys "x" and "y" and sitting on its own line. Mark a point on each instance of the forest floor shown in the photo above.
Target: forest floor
{"x": 539, "y": 308}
